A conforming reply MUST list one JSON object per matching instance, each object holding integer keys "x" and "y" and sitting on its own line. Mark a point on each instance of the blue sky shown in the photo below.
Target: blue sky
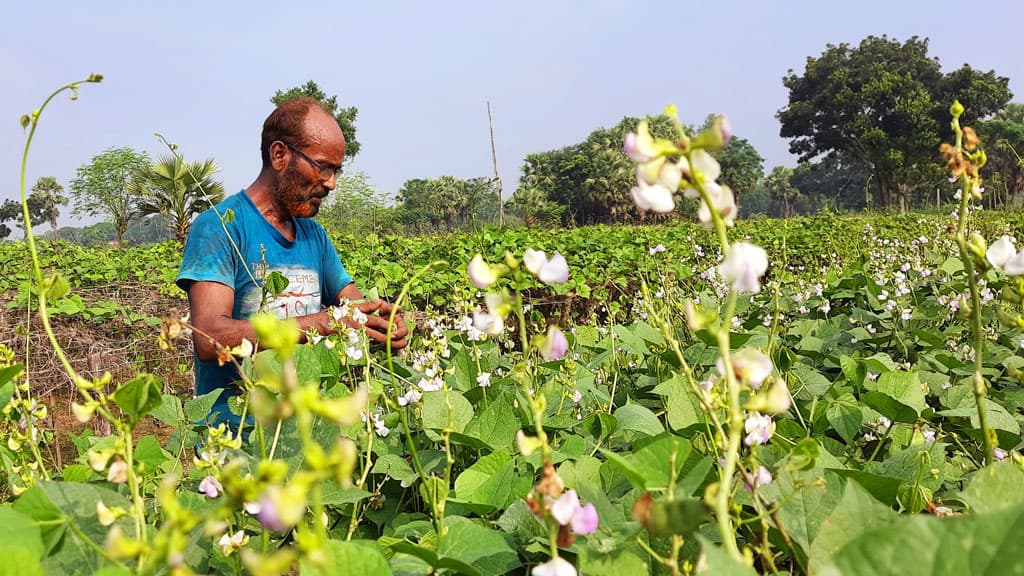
{"x": 202, "y": 73}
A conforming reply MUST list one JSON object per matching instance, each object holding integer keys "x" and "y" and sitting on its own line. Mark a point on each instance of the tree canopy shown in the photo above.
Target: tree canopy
{"x": 885, "y": 104}
{"x": 101, "y": 187}
{"x": 178, "y": 191}
{"x": 346, "y": 117}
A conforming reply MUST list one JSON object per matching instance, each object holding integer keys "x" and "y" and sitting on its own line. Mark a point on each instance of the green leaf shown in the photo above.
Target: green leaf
{"x": 682, "y": 407}
{"x": 717, "y": 562}
{"x": 396, "y": 467}
{"x": 438, "y": 416}
{"x": 352, "y": 557}
{"x": 845, "y": 416}
{"x": 76, "y": 473}
{"x": 968, "y": 545}
{"x": 812, "y": 384}
{"x": 496, "y": 425}
{"x": 334, "y": 495}
{"x": 993, "y": 488}
{"x": 682, "y": 516}
{"x": 809, "y": 496}
{"x": 618, "y": 562}
{"x": 19, "y": 530}
{"x": 9, "y": 373}
{"x": 855, "y": 513}
{"x": 897, "y": 395}
{"x": 488, "y": 481}
{"x": 649, "y": 466}
{"x": 276, "y": 283}
{"x": 636, "y": 418}
{"x": 138, "y": 396}
{"x": 487, "y": 550}
{"x": 170, "y": 411}
{"x": 19, "y": 561}
{"x": 55, "y": 287}
{"x": 196, "y": 409}
{"x": 151, "y": 454}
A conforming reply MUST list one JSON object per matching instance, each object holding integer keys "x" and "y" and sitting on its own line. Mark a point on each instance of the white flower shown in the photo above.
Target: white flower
{"x": 657, "y": 249}
{"x": 759, "y": 428}
{"x": 484, "y": 379}
{"x": 488, "y": 323}
{"x": 411, "y": 397}
{"x": 744, "y": 266}
{"x": 230, "y": 543}
{"x": 118, "y": 473}
{"x": 553, "y": 271}
{"x": 359, "y": 316}
{"x": 654, "y": 198}
{"x": 1015, "y": 265}
{"x": 750, "y": 366}
{"x": 481, "y": 274}
{"x": 639, "y": 145}
{"x": 557, "y": 566}
{"x": 1000, "y": 252}
{"x": 1000, "y": 453}
{"x": 354, "y": 353}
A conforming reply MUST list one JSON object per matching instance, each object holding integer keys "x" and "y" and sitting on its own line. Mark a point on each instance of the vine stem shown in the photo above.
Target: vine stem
{"x": 977, "y": 331}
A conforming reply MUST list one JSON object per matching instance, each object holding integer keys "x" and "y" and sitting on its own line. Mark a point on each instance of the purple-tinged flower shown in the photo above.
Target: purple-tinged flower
{"x": 211, "y": 487}
{"x": 1000, "y": 453}
{"x": 744, "y": 266}
{"x": 585, "y": 520}
{"x": 760, "y": 477}
{"x": 566, "y": 510}
{"x": 480, "y": 273}
{"x": 557, "y": 566}
{"x": 555, "y": 345}
{"x": 281, "y": 508}
{"x": 724, "y": 129}
{"x": 411, "y": 397}
{"x": 639, "y": 145}
{"x": 759, "y": 428}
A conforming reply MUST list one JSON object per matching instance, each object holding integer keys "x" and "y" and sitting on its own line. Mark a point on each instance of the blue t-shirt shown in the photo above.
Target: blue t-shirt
{"x": 310, "y": 263}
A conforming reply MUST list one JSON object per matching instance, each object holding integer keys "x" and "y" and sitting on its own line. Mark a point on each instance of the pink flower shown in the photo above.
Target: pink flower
{"x": 568, "y": 511}
{"x": 759, "y": 428}
{"x": 555, "y": 345}
{"x": 211, "y": 487}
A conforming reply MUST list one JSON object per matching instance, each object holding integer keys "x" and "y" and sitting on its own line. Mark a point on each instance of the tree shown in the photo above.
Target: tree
{"x": 50, "y": 196}
{"x": 356, "y": 207}
{"x": 11, "y": 210}
{"x": 742, "y": 166}
{"x": 1003, "y": 140}
{"x": 177, "y": 191}
{"x": 447, "y": 202}
{"x": 533, "y": 207}
{"x": 842, "y": 186}
{"x": 346, "y": 117}
{"x": 101, "y": 187}
{"x": 781, "y": 190}
{"x": 884, "y": 104}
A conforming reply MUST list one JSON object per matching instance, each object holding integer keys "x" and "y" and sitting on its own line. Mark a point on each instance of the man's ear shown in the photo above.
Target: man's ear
{"x": 279, "y": 156}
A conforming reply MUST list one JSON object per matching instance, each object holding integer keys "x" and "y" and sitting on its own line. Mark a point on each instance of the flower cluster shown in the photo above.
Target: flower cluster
{"x": 664, "y": 167}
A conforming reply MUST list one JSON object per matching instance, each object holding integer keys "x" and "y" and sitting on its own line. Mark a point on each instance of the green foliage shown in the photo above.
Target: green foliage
{"x": 102, "y": 187}
{"x": 345, "y": 116}
{"x": 447, "y": 204}
{"x": 178, "y": 191}
{"x": 885, "y": 104}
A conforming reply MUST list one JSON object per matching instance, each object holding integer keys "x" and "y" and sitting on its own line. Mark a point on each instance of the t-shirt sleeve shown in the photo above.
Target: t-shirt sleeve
{"x": 208, "y": 255}
{"x": 335, "y": 276}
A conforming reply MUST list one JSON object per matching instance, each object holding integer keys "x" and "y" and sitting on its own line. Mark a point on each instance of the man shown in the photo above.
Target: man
{"x": 226, "y": 262}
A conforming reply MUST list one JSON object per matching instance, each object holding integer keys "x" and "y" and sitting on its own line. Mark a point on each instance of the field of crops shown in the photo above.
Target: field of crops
{"x": 593, "y": 427}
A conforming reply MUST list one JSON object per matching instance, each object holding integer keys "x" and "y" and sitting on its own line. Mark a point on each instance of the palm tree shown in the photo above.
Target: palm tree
{"x": 48, "y": 194}
{"x": 178, "y": 191}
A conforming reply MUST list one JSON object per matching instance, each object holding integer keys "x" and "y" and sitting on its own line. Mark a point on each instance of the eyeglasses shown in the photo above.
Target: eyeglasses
{"x": 326, "y": 172}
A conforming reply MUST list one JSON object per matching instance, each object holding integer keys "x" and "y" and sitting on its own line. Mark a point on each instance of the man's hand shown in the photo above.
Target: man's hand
{"x": 378, "y": 312}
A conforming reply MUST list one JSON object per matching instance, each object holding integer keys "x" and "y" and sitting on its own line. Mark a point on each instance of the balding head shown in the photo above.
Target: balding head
{"x": 288, "y": 123}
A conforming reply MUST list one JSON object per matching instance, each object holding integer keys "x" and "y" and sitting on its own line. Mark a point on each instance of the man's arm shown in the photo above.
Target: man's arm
{"x": 211, "y": 304}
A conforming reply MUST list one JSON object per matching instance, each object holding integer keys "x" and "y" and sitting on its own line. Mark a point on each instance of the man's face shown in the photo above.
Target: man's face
{"x": 301, "y": 188}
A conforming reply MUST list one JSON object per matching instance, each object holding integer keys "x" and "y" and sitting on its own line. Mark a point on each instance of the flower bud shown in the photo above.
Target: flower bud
{"x": 957, "y": 109}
